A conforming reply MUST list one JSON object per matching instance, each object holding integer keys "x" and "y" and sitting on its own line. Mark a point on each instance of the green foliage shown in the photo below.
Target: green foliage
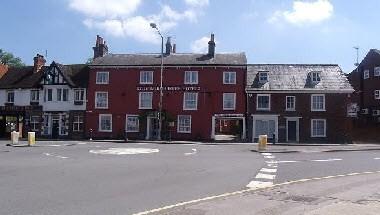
{"x": 9, "y": 59}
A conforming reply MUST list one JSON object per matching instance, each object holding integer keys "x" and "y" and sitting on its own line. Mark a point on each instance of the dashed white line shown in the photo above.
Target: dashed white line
{"x": 377, "y": 158}
{"x": 268, "y": 170}
{"x": 328, "y": 160}
{"x": 265, "y": 176}
{"x": 259, "y": 184}
{"x": 288, "y": 161}
{"x": 266, "y": 154}
{"x": 56, "y": 156}
{"x": 191, "y": 153}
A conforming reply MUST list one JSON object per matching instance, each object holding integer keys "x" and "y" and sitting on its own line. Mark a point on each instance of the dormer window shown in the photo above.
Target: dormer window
{"x": 315, "y": 77}
{"x": 263, "y": 77}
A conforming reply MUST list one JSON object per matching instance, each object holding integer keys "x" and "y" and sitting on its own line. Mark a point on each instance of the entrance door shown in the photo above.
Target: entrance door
{"x": 153, "y": 125}
{"x": 55, "y": 127}
{"x": 292, "y": 131}
{"x": 2, "y": 126}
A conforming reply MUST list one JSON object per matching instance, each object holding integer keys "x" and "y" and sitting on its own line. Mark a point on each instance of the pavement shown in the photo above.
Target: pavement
{"x": 348, "y": 195}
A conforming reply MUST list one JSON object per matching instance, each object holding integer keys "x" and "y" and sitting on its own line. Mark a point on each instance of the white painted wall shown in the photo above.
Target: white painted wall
{"x": 22, "y": 97}
{"x": 55, "y": 105}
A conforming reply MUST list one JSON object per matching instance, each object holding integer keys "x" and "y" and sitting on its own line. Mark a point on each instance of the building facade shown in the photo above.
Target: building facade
{"x": 199, "y": 91}
{"x": 298, "y": 103}
{"x": 366, "y": 82}
{"x": 49, "y": 100}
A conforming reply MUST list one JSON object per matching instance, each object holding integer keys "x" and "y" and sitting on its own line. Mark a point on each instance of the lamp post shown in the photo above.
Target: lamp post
{"x": 154, "y": 26}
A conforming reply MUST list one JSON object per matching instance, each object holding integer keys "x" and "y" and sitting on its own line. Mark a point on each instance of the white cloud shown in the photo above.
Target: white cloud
{"x": 201, "y": 45}
{"x": 197, "y": 3}
{"x": 116, "y": 17}
{"x": 109, "y": 8}
{"x": 305, "y": 13}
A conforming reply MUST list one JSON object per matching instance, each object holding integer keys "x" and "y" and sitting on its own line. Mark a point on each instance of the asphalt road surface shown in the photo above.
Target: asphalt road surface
{"x": 118, "y": 178}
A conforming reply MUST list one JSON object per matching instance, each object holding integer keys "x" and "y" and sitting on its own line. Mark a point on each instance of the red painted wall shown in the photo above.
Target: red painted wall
{"x": 123, "y": 98}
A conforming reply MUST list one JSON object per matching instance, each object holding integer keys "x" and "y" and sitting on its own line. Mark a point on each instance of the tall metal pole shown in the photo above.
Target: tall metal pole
{"x": 161, "y": 95}
{"x": 153, "y": 25}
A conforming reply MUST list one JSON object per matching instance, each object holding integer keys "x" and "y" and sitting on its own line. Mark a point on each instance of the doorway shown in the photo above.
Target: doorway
{"x": 152, "y": 128}
{"x": 2, "y": 126}
{"x": 292, "y": 129}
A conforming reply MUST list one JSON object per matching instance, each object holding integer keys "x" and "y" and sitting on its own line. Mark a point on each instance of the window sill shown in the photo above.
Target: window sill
{"x": 260, "y": 109}
{"x": 188, "y": 109}
{"x": 101, "y": 108}
{"x": 318, "y": 110}
{"x": 106, "y": 131}
{"x": 319, "y": 136}
{"x": 137, "y": 131}
{"x": 145, "y": 108}
{"x": 184, "y": 132}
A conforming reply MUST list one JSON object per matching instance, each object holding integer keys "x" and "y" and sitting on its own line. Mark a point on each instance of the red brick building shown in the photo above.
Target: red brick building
{"x": 366, "y": 82}
{"x": 298, "y": 103}
{"x": 199, "y": 90}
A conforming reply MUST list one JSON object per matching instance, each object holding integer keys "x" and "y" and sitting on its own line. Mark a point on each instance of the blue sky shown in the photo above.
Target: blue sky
{"x": 269, "y": 31}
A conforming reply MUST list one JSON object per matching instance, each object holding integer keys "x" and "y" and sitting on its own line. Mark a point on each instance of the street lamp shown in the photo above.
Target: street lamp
{"x": 154, "y": 26}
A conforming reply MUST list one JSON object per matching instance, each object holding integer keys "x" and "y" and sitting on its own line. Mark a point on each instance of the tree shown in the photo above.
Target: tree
{"x": 9, "y": 59}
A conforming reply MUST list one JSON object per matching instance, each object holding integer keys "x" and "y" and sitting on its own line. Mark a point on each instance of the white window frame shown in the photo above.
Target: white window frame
{"x": 189, "y": 77}
{"x": 324, "y": 102}
{"x": 146, "y": 77}
{"x": 179, "y": 125}
{"x": 263, "y": 76}
{"x": 79, "y": 92}
{"x": 294, "y": 103}
{"x": 257, "y": 102}
{"x": 315, "y": 76}
{"x": 13, "y": 97}
{"x": 184, "y": 101}
{"x": 376, "y": 71}
{"x": 312, "y": 128}
{"x": 377, "y": 94}
{"x": 224, "y": 101}
{"x": 34, "y": 95}
{"x": 34, "y": 123}
{"x": 100, "y": 122}
{"x": 366, "y": 74}
{"x": 137, "y": 128}
{"x": 96, "y": 100}
{"x": 140, "y": 101}
{"x": 227, "y": 77}
{"x": 77, "y": 121}
{"x": 102, "y": 81}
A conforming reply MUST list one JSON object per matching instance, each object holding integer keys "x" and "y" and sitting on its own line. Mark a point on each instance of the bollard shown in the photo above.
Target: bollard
{"x": 263, "y": 139}
{"x": 31, "y": 138}
{"x": 14, "y": 137}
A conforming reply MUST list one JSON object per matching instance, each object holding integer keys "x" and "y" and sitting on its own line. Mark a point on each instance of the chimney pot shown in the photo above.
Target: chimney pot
{"x": 211, "y": 46}
{"x": 168, "y": 46}
{"x": 100, "y": 49}
{"x": 39, "y": 62}
{"x": 174, "y": 48}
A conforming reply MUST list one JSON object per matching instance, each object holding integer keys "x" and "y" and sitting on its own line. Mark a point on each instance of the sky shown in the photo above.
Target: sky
{"x": 268, "y": 31}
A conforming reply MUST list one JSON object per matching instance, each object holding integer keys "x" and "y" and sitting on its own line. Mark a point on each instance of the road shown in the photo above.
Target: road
{"x": 118, "y": 178}
{"x": 89, "y": 178}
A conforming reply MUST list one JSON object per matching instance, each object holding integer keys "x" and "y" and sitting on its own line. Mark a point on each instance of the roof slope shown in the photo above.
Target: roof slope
{"x": 21, "y": 77}
{"x": 172, "y": 59}
{"x": 76, "y": 74}
{"x": 297, "y": 77}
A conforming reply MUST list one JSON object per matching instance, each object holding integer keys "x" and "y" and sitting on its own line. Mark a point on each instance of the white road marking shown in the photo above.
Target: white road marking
{"x": 242, "y": 192}
{"x": 82, "y": 143}
{"x": 191, "y": 153}
{"x": 271, "y": 162}
{"x": 57, "y": 156}
{"x": 269, "y": 157}
{"x": 377, "y": 158}
{"x": 268, "y": 170}
{"x": 266, "y": 154}
{"x": 265, "y": 176}
{"x": 328, "y": 160}
{"x": 259, "y": 184}
{"x": 272, "y": 165}
{"x": 288, "y": 161}
{"x": 54, "y": 145}
{"x": 124, "y": 151}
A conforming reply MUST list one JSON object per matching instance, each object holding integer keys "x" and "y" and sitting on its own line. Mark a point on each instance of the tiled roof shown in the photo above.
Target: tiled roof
{"x": 75, "y": 74}
{"x": 297, "y": 77}
{"x": 21, "y": 77}
{"x": 172, "y": 59}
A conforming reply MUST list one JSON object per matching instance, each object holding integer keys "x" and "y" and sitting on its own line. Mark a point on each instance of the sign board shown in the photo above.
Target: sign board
{"x": 169, "y": 88}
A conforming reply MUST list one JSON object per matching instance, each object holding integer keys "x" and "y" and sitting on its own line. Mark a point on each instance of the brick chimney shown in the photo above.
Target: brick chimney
{"x": 100, "y": 49}
{"x": 211, "y": 46}
{"x": 39, "y": 62}
{"x": 168, "y": 46}
{"x": 174, "y": 48}
{"x": 3, "y": 69}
